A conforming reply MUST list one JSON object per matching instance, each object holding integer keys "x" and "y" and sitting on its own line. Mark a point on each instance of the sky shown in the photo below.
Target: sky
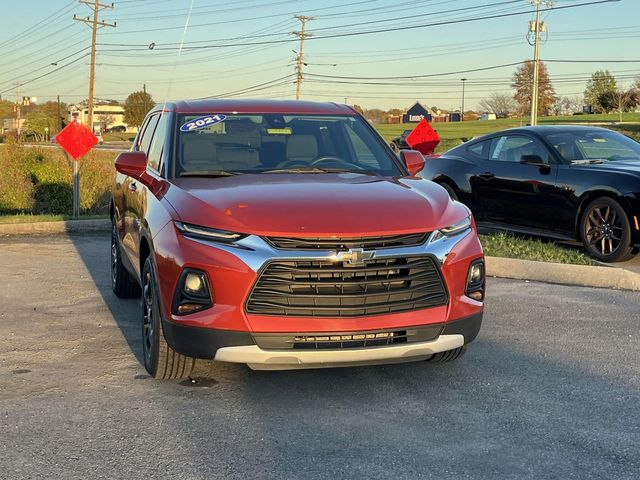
{"x": 374, "y": 53}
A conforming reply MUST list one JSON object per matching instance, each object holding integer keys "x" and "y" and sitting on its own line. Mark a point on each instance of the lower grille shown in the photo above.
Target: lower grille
{"x": 346, "y": 340}
{"x": 310, "y": 288}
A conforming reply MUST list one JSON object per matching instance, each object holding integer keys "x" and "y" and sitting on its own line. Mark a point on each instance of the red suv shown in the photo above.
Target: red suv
{"x": 287, "y": 234}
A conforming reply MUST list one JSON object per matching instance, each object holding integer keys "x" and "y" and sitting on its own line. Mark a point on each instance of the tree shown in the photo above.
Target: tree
{"x": 619, "y": 100}
{"x": 567, "y": 105}
{"x": 40, "y": 119}
{"x": 523, "y": 84}
{"x": 6, "y": 109}
{"x": 501, "y": 104}
{"x": 106, "y": 119}
{"x": 602, "y": 86}
{"x": 136, "y": 107}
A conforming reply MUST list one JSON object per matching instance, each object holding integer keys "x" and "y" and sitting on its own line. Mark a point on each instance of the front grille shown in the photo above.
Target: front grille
{"x": 311, "y": 288}
{"x": 369, "y": 243}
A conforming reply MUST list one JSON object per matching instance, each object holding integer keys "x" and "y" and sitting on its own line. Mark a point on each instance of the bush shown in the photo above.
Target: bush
{"x": 38, "y": 180}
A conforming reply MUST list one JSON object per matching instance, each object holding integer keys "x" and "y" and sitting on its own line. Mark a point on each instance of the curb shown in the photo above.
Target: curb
{"x": 582, "y": 275}
{"x": 70, "y": 226}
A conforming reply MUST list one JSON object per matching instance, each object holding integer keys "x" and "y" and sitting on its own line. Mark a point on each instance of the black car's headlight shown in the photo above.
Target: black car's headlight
{"x": 206, "y": 233}
{"x": 453, "y": 230}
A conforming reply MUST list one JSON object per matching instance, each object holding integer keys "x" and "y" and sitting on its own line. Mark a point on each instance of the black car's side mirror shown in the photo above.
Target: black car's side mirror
{"x": 532, "y": 160}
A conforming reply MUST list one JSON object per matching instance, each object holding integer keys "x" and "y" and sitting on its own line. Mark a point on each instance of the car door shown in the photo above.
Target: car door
{"x": 517, "y": 183}
{"x": 134, "y": 195}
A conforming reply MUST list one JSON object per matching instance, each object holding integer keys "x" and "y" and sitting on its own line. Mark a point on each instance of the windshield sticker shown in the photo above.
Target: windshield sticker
{"x": 599, "y": 140}
{"x": 279, "y": 131}
{"x": 202, "y": 122}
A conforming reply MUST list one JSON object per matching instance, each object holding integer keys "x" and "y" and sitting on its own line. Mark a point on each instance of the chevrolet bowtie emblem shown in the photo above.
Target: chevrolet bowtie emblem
{"x": 354, "y": 257}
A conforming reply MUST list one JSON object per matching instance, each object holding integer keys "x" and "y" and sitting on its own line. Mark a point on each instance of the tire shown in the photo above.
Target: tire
{"x": 605, "y": 231}
{"x": 160, "y": 360}
{"x": 447, "y": 356}
{"x": 450, "y": 190}
{"x": 122, "y": 283}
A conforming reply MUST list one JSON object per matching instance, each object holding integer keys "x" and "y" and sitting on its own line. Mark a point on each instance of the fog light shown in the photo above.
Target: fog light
{"x": 194, "y": 283}
{"x": 475, "y": 281}
{"x": 192, "y": 293}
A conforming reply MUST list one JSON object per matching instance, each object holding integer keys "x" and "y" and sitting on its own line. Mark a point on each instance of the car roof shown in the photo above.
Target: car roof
{"x": 256, "y": 106}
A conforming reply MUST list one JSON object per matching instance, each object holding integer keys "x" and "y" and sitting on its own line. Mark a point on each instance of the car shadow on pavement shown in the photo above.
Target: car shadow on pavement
{"x": 126, "y": 312}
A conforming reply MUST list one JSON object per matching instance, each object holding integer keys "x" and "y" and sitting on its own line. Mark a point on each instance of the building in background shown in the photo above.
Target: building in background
{"x": 105, "y": 116}
{"x": 418, "y": 111}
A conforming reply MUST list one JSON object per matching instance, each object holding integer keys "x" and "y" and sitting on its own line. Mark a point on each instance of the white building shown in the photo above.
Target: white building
{"x": 104, "y": 116}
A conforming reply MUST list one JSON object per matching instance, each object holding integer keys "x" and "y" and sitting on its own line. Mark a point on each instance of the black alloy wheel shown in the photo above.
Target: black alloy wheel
{"x": 160, "y": 360}
{"x": 605, "y": 231}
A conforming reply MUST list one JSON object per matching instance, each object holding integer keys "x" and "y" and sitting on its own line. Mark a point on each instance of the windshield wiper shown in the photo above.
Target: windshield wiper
{"x": 318, "y": 170}
{"x": 209, "y": 173}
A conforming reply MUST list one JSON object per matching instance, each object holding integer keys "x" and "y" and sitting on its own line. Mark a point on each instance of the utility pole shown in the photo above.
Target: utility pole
{"x": 144, "y": 89}
{"x": 59, "y": 116}
{"x": 536, "y": 27}
{"x": 18, "y": 104}
{"x": 96, "y": 6}
{"x": 463, "y": 80}
{"x": 300, "y": 59}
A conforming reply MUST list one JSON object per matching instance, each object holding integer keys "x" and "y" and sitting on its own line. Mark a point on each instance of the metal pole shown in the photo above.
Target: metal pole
{"x": 462, "y": 111}
{"x": 536, "y": 67}
{"x": 76, "y": 189}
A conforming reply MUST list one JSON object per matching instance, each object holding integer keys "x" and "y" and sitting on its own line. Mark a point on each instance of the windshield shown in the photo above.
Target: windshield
{"x": 222, "y": 144}
{"x": 594, "y": 145}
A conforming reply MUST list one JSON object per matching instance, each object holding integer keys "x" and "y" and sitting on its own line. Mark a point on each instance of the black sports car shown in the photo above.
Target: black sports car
{"x": 562, "y": 182}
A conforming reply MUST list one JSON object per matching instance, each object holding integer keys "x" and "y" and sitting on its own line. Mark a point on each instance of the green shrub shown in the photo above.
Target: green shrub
{"x": 40, "y": 181}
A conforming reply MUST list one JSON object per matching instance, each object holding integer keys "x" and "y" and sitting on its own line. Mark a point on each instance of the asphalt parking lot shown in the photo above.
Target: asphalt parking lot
{"x": 550, "y": 389}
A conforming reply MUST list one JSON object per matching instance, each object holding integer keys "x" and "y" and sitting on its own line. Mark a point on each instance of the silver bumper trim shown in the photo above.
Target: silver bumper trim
{"x": 259, "y": 359}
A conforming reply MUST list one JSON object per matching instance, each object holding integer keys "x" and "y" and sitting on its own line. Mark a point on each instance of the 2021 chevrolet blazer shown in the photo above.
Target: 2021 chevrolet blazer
{"x": 287, "y": 234}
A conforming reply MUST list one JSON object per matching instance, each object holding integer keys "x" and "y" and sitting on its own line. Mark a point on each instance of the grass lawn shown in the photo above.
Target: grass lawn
{"x": 453, "y": 134}
{"x": 509, "y": 246}
{"x": 45, "y": 218}
{"x": 118, "y": 136}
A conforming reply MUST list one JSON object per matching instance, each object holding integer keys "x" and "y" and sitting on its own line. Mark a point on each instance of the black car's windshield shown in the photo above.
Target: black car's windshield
{"x": 273, "y": 143}
{"x": 580, "y": 146}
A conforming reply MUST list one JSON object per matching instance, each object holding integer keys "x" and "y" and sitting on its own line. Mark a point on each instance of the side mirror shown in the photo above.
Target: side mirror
{"x": 532, "y": 160}
{"x": 133, "y": 164}
{"x": 413, "y": 160}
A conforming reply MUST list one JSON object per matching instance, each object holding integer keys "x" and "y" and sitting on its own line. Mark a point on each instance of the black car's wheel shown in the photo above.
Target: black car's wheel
{"x": 605, "y": 231}
{"x": 160, "y": 360}
{"x": 450, "y": 190}
{"x": 122, "y": 284}
{"x": 448, "y": 356}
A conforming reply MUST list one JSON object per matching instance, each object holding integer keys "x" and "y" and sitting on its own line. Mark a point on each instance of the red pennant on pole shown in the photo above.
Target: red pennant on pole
{"x": 76, "y": 139}
{"x": 423, "y": 138}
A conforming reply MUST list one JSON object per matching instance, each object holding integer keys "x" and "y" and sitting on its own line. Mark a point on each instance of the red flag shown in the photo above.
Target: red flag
{"x": 76, "y": 139}
{"x": 423, "y": 138}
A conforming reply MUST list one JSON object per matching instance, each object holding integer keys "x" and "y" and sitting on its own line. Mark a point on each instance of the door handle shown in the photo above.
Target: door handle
{"x": 133, "y": 187}
{"x": 487, "y": 175}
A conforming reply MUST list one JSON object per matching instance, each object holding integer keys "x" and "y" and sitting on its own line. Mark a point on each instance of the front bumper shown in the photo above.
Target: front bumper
{"x": 241, "y": 347}
{"x": 259, "y": 359}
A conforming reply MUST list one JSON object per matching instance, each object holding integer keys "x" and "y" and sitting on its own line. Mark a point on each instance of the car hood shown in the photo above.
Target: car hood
{"x": 314, "y": 204}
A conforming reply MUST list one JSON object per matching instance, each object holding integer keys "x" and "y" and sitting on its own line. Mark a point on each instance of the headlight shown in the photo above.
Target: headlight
{"x": 206, "y": 233}
{"x": 453, "y": 230}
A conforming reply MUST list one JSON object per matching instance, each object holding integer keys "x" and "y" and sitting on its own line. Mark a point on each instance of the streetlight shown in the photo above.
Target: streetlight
{"x": 462, "y": 111}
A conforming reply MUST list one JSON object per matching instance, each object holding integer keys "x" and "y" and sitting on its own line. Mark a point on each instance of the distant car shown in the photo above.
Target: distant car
{"x": 400, "y": 142}
{"x": 562, "y": 182}
{"x": 117, "y": 128}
